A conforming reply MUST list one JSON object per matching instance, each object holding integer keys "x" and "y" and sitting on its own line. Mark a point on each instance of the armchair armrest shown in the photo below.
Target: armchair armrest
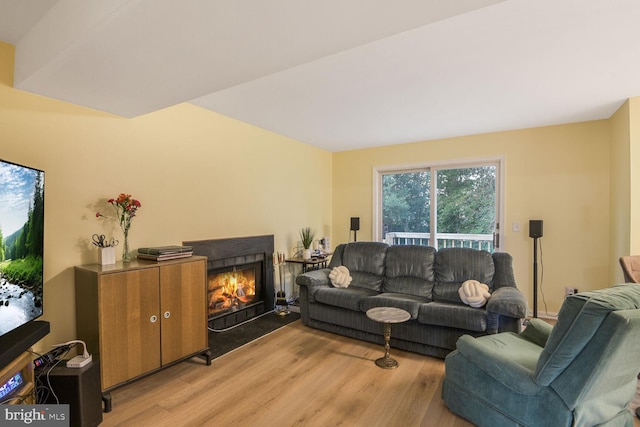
{"x": 314, "y": 280}
{"x": 537, "y": 332}
{"x": 508, "y": 301}
{"x": 491, "y": 358}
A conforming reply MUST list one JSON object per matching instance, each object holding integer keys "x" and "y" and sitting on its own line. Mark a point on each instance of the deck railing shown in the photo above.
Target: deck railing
{"x": 443, "y": 240}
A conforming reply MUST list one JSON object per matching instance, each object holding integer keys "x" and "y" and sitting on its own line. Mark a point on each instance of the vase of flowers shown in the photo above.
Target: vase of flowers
{"x": 126, "y": 208}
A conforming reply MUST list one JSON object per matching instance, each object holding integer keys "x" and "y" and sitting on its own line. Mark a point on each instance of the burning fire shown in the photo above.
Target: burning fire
{"x": 227, "y": 290}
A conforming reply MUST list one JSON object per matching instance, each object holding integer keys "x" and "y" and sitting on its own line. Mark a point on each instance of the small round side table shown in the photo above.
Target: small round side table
{"x": 387, "y": 315}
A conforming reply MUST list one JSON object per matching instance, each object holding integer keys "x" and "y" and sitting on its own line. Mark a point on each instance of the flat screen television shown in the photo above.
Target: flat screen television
{"x": 21, "y": 249}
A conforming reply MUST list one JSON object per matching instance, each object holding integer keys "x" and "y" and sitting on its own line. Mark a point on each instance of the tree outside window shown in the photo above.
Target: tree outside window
{"x": 461, "y": 210}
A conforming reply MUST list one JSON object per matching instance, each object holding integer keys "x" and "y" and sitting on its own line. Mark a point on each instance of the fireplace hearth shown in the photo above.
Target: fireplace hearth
{"x": 240, "y": 278}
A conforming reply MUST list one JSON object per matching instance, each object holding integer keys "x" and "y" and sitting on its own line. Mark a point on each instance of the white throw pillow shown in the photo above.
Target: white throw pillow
{"x": 474, "y": 293}
{"x": 340, "y": 277}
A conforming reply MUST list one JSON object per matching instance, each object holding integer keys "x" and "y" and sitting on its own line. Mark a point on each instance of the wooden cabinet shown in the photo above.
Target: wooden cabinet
{"x": 183, "y": 293}
{"x": 142, "y": 316}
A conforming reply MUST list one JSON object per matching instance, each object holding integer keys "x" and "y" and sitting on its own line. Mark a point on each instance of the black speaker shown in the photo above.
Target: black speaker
{"x": 355, "y": 223}
{"x": 535, "y": 228}
{"x": 79, "y": 388}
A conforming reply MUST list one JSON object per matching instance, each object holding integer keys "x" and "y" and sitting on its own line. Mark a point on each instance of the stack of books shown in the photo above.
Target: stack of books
{"x": 163, "y": 253}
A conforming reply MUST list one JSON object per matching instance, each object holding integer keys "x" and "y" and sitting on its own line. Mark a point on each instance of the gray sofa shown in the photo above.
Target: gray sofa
{"x": 420, "y": 280}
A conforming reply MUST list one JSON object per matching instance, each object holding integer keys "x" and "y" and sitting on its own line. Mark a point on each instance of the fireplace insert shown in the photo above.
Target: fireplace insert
{"x": 234, "y": 288}
{"x": 240, "y": 278}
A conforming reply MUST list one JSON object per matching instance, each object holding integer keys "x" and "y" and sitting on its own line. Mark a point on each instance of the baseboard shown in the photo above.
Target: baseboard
{"x": 546, "y": 315}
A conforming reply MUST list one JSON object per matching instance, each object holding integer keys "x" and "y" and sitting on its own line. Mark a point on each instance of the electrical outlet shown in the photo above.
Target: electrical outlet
{"x": 570, "y": 291}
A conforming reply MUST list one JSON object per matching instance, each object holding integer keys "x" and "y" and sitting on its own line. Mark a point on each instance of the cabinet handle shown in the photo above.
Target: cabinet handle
{"x": 167, "y": 314}
{"x": 153, "y": 318}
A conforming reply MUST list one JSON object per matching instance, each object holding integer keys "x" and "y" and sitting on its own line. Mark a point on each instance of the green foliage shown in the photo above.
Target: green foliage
{"x": 26, "y": 270}
{"x": 306, "y": 236}
{"x": 34, "y": 239}
{"x": 406, "y": 202}
{"x": 25, "y": 247}
{"x": 1, "y": 246}
{"x": 466, "y": 201}
{"x": 29, "y": 240}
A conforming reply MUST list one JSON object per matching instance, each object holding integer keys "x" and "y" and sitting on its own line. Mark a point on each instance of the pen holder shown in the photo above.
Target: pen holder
{"x": 107, "y": 255}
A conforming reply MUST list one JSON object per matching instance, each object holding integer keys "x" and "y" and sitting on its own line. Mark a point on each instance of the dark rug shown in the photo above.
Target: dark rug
{"x": 223, "y": 342}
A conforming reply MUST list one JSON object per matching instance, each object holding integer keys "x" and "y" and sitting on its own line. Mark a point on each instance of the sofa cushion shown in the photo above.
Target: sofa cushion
{"x": 365, "y": 261}
{"x": 453, "y": 266}
{"x": 409, "y": 303}
{"x": 410, "y": 270}
{"x": 453, "y": 315}
{"x": 348, "y": 298}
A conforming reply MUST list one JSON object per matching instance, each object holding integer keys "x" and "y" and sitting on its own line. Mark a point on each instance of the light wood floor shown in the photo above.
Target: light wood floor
{"x": 296, "y": 376}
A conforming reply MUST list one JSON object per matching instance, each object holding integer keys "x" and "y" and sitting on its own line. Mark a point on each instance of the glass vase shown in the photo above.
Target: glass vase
{"x": 126, "y": 254}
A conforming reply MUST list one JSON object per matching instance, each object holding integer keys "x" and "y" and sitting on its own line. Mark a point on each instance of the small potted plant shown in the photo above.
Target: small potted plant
{"x": 306, "y": 236}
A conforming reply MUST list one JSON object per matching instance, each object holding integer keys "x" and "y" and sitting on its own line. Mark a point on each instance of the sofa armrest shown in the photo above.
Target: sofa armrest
{"x": 493, "y": 361}
{"x": 503, "y": 275}
{"x": 314, "y": 280}
{"x": 508, "y": 301}
{"x": 537, "y": 332}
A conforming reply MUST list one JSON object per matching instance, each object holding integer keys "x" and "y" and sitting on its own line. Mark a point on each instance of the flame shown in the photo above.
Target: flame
{"x": 230, "y": 289}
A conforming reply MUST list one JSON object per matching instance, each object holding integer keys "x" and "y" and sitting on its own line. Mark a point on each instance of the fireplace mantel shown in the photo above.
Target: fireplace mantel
{"x": 232, "y": 247}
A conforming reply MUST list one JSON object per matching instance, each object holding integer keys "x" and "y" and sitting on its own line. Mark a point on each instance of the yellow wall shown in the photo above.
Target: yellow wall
{"x": 198, "y": 175}
{"x": 625, "y": 185}
{"x": 239, "y": 180}
{"x": 634, "y": 175}
{"x": 620, "y": 196}
{"x": 559, "y": 174}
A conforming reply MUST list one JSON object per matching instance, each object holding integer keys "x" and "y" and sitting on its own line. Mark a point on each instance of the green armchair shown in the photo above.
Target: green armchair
{"x": 580, "y": 372}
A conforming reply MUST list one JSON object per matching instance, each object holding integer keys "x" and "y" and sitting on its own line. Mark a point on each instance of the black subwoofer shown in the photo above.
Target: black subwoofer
{"x": 80, "y": 388}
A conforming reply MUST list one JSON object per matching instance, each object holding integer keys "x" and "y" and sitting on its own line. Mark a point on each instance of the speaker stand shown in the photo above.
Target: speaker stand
{"x": 535, "y": 277}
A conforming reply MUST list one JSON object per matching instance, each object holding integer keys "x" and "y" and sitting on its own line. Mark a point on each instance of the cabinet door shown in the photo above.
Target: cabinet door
{"x": 184, "y": 309}
{"x": 129, "y": 325}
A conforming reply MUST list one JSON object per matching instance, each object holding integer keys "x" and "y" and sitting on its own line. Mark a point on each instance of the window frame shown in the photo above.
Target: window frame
{"x": 498, "y": 161}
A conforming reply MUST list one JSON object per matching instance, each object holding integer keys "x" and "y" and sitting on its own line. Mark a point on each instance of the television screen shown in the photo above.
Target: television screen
{"x": 21, "y": 245}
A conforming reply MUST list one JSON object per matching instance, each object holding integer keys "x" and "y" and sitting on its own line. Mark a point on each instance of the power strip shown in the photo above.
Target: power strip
{"x": 51, "y": 356}
{"x": 79, "y": 361}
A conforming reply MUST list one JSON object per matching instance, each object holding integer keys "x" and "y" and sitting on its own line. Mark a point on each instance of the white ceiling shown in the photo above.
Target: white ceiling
{"x": 337, "y": 74}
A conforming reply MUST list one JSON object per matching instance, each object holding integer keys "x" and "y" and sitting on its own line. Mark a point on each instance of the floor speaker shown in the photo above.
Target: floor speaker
{"x": 535, "y": 228}
{"x": 80, "y": 388}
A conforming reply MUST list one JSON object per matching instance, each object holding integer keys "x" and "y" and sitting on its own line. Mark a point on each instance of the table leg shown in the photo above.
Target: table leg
{"x": 387, "y": 362}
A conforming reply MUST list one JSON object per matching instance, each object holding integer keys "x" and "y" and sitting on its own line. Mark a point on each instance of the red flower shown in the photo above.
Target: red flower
{"x": 125, "y": 207}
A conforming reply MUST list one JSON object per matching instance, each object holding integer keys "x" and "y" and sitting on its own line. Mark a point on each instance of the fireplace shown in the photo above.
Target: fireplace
{"x": 239, "y": 278}
{"x": 234, "y": 288}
